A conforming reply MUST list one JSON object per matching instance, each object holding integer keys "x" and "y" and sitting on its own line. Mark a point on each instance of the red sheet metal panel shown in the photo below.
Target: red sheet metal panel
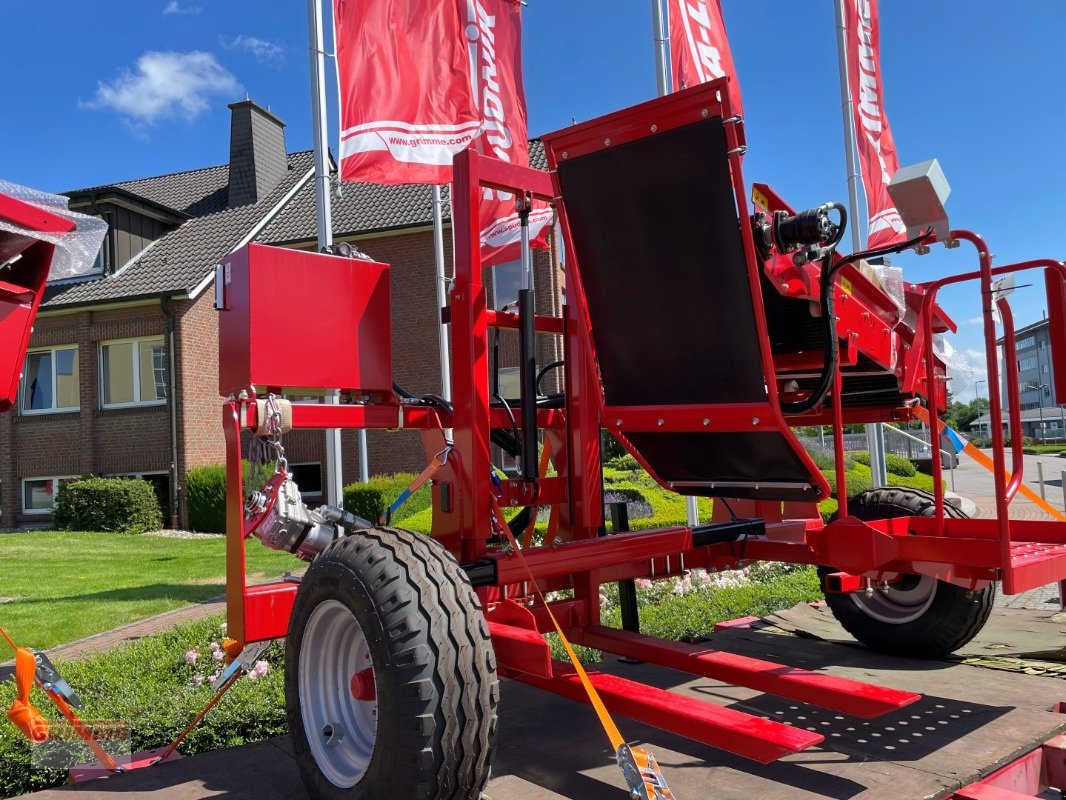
{"x": 303, "y": 320}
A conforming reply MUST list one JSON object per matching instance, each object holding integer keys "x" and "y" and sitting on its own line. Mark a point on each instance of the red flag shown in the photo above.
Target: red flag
{"x": 406, "y": 105}
{"x": 494, "y": 30}
{"x": 699, "y": 47}
{"x": 877, "y": 150}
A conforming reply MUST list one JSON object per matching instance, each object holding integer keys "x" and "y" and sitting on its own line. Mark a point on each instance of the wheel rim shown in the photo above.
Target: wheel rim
{"x": 904, "y": 601}
{"x": 340, "y": 729}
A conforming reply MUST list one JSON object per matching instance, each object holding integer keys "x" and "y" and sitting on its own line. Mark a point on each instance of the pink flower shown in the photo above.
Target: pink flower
{"x": 197, "y": 679}
{"x": 218, "y": 655}
{"x": 190, "y": 657}
{"x": 213, "y": 647}
{"x": 643, "y": 583}
{"x": 258, "y": 670}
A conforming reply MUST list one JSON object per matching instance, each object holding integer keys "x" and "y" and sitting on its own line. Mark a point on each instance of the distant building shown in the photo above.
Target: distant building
{"x": 121, "y": 377}
{"x": 1042, "y": 415}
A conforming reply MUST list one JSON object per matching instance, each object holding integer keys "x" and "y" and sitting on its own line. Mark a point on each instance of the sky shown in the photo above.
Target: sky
{"x": 101, "y": 92}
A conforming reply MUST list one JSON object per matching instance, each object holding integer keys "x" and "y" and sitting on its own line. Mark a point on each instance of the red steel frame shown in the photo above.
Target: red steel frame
{"x": 969, "y": 552}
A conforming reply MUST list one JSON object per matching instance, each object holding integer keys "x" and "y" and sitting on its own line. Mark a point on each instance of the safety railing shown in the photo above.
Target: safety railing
{"x": 922, "y": 351}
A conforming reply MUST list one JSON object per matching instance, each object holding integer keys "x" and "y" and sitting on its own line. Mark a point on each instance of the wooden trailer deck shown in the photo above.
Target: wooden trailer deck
{"x": 977, "y": 714}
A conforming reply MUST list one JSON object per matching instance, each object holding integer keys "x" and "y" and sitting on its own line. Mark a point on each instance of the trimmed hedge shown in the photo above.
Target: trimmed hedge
{"x": 896, "y": 465}
{"x": 122, "y": 505}
{"x": 205, "y": 495}
{"x": 369, "y": 500}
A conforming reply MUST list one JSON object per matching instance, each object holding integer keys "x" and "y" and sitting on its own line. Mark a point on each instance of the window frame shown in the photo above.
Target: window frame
{"x": 55, "y": 479}
{"x": 136, "y": 340}
{"x": 24, "y": 385}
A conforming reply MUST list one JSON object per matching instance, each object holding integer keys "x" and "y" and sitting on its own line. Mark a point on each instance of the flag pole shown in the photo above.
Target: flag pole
{"x": 660, "y": 25}
{"x": 442, "y": 299}
{"x": 875, "y": 433}
{"x": 323, "y": 217}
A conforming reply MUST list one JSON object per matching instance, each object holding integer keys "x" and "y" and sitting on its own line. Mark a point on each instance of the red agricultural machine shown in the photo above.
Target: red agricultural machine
{"x": 698, "y": 329}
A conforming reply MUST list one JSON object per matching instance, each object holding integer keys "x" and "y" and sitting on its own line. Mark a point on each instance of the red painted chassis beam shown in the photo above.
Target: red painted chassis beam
{"x": 389, "y": 417}
{"x": 828, "y": 691}
{"x": 733, "y": 731}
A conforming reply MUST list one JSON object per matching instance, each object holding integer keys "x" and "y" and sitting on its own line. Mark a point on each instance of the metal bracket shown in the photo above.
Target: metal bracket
{"x": 52, "y": 681}
{"x": 242, "y": 663}
{"x": 642, "y": 774}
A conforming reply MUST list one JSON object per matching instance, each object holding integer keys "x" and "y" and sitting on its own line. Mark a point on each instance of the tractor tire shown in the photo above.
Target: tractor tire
{"x": 920, "y": 616}
{"x": 390, "y": 676}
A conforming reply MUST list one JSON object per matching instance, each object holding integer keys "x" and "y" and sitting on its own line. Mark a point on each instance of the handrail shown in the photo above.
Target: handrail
{"x": 1014, "y": 412}
{"x": 1004, "y": 492}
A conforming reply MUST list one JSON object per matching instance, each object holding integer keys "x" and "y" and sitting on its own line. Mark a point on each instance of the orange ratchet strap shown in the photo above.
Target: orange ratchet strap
{"x": 30, "y": 721}
{"x": 22, "y": 714}
{"x": 642, "y": 773}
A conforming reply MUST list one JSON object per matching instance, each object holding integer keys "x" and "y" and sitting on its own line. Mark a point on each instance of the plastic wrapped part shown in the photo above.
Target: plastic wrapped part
{"x": 75, "y": 252}
{"x": 890, "y": 279}
{"x": 959, "y": 371}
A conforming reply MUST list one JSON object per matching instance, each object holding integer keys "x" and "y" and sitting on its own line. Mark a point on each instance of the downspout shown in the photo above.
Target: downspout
{"x": 164, "y": 304}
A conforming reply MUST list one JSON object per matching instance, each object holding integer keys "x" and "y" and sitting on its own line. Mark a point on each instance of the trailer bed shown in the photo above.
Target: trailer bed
{"x": 975, "y": 716}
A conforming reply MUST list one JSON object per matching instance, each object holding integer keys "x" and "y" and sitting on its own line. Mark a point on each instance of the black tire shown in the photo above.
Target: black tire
{"x": 950, "y": 619}
{"x": 433, "y": 665}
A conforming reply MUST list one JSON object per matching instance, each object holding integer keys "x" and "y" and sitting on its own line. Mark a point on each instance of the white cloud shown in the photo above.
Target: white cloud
{"x": 975, "y": 320}
{"x": 263, "y": 51}
{"x": 165, "y": 85}
{"x": 174, "y": 7}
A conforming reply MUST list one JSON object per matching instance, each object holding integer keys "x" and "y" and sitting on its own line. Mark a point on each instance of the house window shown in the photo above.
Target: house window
{"x": 133, "y": 372}
{"x": 50, "y": 380}
{"x": 1025, "y": 343}
{"x": 308, "y": 478}
{"x": 506, "y": 281}
{"x": 1026, "y": 364}
{"x": 38, "y": 494}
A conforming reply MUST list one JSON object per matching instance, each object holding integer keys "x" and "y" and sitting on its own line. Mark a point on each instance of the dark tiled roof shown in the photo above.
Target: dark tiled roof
{"x": 365, "y": 207}
{"x": 193, "y": 192}
{"x": 196, "y": 192}
{"x": 181, "y": 260}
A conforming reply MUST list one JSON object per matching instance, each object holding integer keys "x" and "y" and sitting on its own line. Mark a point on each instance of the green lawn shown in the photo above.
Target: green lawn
{"x": 68, "y": 585}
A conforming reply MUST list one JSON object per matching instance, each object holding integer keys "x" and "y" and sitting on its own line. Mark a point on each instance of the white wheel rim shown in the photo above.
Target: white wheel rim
{"x": 898, "y": 606}
{"x": 340, "y": 730}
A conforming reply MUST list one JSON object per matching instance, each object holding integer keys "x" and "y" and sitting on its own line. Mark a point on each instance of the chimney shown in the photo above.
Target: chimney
{"x": 257, "y": 158}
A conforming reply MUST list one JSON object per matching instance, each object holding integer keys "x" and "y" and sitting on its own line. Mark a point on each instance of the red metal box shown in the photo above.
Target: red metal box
{"x": 293, "y": 319}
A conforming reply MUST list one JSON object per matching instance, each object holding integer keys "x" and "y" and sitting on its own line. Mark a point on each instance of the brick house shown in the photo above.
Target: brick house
{"x": 122, "y": 373}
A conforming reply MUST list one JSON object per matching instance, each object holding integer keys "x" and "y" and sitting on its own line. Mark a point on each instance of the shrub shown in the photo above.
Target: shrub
{"x": 898, "y": 465}
{"x": 858, "y": 480}
{"x": 205, "y": 495}
{"x": 369, "y": 500}
{"x": 623, "y": 463}
{"x": 125, "y": 505}
{"x": 636, "y": 503}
